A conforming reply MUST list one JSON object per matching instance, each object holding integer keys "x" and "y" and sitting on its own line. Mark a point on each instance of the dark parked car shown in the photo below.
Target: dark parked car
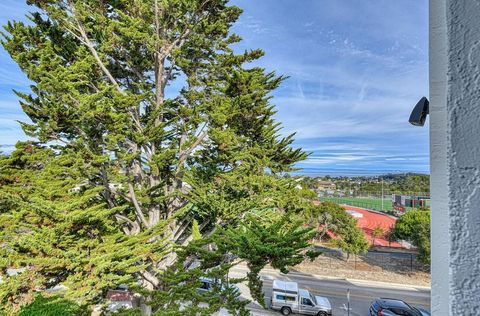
{"x": 393, "y": 307}
{"x": 207, "y": 285}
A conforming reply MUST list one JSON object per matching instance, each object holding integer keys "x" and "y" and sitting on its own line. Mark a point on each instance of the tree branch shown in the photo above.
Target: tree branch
{"x": 150, "y": 278}
{"x": 180, "y": 230}
{"x": 168, "y": 76}
{"x": 138, "y": 208}
{"x": 160, "y": 81}
{"x": 91, "y": 47}
{"x": 184, "y": 155}
{"x": 106, "y": 184}
{"x": 135, "y": 226}
{"x": 180, "y": 40}
{"x": 86, "y": 40}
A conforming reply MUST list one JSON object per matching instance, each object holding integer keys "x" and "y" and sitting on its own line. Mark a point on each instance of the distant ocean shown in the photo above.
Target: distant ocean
{"x": 346, "y": 172}
{"x": 6, "y": 149}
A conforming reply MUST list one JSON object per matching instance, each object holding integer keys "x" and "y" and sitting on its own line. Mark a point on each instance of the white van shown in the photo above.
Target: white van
{"x": 288, "y": 298}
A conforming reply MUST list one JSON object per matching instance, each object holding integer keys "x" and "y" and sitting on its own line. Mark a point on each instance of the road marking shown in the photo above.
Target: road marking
{"x": 345, "y": 307}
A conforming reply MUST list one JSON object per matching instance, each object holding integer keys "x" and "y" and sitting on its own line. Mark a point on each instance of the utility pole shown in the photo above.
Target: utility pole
{"x": 348, "y": 302}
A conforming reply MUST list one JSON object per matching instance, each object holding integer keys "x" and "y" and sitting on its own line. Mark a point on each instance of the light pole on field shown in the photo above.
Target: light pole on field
{"x": 382, "y": 193}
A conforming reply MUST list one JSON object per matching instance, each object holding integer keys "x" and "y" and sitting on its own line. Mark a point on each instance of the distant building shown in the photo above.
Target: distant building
{"x": 323, "y": 185}
{"x": 121, "y": 299}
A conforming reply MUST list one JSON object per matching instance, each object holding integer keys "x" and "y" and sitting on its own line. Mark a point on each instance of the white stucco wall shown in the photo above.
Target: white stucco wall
{"x": 455, "y": 156}
{"x": 463, "y": 116}
{"x": 438, "y": 158}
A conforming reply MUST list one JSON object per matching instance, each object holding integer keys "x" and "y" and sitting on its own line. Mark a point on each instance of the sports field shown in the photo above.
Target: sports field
{"x": 368, "y": 203}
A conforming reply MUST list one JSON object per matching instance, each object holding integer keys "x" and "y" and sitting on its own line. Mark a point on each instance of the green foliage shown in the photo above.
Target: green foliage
{"x": 121, "y": 169}
{"x": 196, "y": 235}
{"x": 353, "y": 241}
{"x": 329, "y": 216}
{"x": 414, "y": 227}
{"x": 377, "y": 232}
{"x": 279, "y": 242}
{"x": 409, "y": 183}
{"x": 53, "y": 306}
{"x": 70, "y": 238}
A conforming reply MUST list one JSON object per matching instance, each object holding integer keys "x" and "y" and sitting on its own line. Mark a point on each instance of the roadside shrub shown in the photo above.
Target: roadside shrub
{"x": 414, "y": 227}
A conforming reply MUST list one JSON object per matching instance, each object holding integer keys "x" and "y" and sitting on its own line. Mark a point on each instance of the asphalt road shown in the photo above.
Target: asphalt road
{"x": 361, "y": 292}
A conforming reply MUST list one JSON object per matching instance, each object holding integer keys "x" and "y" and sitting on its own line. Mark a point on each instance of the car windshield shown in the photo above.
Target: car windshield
{"x": 314, "y": 301}
{"x": 416, "y": 312}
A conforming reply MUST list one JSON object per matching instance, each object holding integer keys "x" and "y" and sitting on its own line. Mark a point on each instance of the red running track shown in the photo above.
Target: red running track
{"x": 369, "y": 220}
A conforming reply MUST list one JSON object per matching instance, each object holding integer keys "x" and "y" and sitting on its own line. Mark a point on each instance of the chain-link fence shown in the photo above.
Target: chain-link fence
{"x": 364, "y": 202}
{"x": 394, "y": 261}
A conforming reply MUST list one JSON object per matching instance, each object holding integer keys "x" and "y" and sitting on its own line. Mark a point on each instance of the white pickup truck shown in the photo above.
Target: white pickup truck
{"x": 288, "y": 298}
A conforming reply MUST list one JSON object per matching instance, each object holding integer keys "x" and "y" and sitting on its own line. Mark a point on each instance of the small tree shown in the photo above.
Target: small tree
{"x": 329, "y": 216}
{"x": 353, "y": 242}
{"x": 277, "y": 241}
{"x": 414, "y": 227}
{"x": 377, "y": 232}
{"x": 390, "y": 235}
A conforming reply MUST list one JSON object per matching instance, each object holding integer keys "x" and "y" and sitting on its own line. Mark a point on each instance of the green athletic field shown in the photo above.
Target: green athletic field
{"x": 369, "y": 203}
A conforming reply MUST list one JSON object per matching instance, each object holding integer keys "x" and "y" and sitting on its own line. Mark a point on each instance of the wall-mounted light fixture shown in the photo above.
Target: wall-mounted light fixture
{"x": 420, "y": 112}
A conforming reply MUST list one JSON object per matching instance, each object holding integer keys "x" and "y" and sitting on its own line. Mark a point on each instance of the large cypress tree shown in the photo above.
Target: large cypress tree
{"x": 146, "y": 120}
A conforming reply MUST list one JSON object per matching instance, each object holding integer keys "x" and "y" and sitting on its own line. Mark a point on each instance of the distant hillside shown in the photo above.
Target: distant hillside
{"x": 398, "y": 183}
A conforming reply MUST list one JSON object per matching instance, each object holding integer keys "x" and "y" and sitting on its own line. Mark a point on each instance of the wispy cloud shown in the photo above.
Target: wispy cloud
{"x": 356, "y": 68}
{"x": 11, "y": 78}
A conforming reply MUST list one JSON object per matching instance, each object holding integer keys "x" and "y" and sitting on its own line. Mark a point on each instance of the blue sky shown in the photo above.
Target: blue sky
{"x": 356, "y": 68}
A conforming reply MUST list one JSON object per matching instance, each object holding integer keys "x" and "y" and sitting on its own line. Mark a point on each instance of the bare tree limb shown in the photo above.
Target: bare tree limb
{"x": 168, "y": 76}
{"x": 106, "y": 184}
{"x": 180, "y": 40}
{"x": 184, "y": 154}
{"x": 138, "y": 208}
{"x": 150, "y": 278}
{"x": 160, "y": 81}
{"x": 80, "y": 39}
{"x": 135, "y": 227}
